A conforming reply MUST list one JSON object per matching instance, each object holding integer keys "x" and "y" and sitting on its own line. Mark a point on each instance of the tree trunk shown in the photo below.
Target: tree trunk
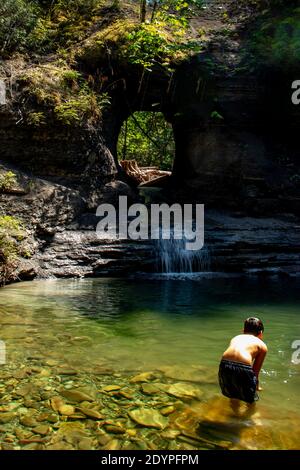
{"x": 143, "y": 11}
{"x": 153, "y": 11}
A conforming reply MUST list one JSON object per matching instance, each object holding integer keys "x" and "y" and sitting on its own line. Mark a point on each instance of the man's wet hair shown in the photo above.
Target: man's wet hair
{"x": 253, "y": 326}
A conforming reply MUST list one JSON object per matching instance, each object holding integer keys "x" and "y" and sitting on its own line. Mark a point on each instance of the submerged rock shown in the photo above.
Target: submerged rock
{"x": 184, "y": 390}
{"x": 87, "y": 443}
{"x": 104, "y": 439}
{"x": 170, "y": 434}
{"x": 111, "y": 388}
{"x": 51, "y": 417}
{"x": 42, "y": 429}
{"x": 76, "y": 395}
{"x": 66, "y": 410}
{"x": 71, "y": 432}
{"x": 61, "y": 445}
{"x": 56, "y": 403}
{"x": 149, "y": 417}
{"x": 22, "y": 433}
{"x": 34, "y": 446}
{"x": 190, "y": 374}
{"x": 26, "y": 390}
{"x": 28, "y": 421}
{"x": 150, "y": 389}
{"x": 6, "y": 417}
{"x": 67, "y": 371}
{"x": 77, "y": 416}
{"x": 112, "y": 445}
{"x": 114, "y": 429}
{"x": 167, "y": 410}
{"x": 143, "y": 377}
{"x": 94, "y": 414}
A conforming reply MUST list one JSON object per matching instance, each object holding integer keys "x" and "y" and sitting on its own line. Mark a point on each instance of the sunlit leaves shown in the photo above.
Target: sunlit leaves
{"x": 148, "y": 139}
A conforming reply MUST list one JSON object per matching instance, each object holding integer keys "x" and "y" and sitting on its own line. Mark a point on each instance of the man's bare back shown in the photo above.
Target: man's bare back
{"x": 242, "y": 361}
{"x": 248, "y": 349}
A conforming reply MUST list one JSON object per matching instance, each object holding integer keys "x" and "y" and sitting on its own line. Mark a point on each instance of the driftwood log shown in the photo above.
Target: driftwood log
{"x": 142, "y": 174}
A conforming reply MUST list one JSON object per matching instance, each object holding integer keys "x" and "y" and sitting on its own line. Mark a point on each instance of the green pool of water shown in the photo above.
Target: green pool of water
{"x": 174, "y": 327}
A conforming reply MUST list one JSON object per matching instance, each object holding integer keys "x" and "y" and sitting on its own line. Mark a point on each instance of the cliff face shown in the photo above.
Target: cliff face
{"x": 234, "y": 123}
{"x": 235, "y": 127}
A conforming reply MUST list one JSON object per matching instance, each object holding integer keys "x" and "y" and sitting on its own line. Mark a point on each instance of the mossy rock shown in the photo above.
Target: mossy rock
{"x": 275, "y": 40}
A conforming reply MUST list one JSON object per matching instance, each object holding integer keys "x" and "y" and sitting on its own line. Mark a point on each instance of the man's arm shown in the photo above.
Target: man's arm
{"x": 258, "y": 361}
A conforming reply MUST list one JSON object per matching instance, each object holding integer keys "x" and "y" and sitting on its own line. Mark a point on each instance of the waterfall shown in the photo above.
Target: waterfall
{"x": 173, "y": 257}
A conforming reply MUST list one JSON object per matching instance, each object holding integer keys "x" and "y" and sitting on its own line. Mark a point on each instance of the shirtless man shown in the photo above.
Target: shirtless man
{"x": 242, "y": 361}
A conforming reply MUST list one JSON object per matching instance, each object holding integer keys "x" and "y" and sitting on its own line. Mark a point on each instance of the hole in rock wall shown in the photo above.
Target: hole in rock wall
{"x": 146, "y": 147}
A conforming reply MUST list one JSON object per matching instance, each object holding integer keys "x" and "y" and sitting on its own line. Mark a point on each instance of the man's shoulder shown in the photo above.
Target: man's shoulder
{"x": 262, "y": 345}
{"x": 238, "y": 336}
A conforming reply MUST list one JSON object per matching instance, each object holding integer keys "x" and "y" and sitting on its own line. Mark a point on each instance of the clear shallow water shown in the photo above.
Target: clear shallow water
{"x": 178, "y": 328}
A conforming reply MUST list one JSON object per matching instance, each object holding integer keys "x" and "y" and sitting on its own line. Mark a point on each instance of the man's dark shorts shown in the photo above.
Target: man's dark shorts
{"x": 237, "y": 380}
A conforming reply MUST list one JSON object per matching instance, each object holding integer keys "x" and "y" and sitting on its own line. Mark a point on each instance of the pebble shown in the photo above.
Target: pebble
{"x": 6, "y": 417}
{"x": 111, "y": 388}
{"x": 76, "y": 395}
{"x": 7, "y": 446}
{"x": 114, "y": 429}
{"x": 51, "y": 417}
{"x": 86, "y": 443}
{"x": 112, "y": 445}
{"x": 94, "y": 414}
{"x": 143, "y": 377}
{"x": 148, "y": 417}
{"x": 28, "y": 421}
{"x": 33, "y": 446}
{"x": 42, "y": 429}
{"x": 23, "y": 434}
{"x": 67, "y": 372}
{"x": 167, "y": 410}
{"x": 170, "y": 434}
{"x": 56, "y": 402}
{"x": 66, "y": 410}
{"x": 104, "y": 439}
{"x": 76, "y": 416}
{"x": 150, "y": 389}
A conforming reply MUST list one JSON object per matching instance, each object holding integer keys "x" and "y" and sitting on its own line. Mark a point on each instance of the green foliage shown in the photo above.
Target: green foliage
{"x": 275, "y": 41}
{"x": 80, "y": 7}
{"x": 153, "y": 147}
{"x": 162, "y": 39}
{"x": 151, "y": 44}
{"x": 36, "y": 119}
{"x": 70, "y": 77}
{"x": 161, "y": 42}
{"x": 7, "y": 181}
{"x": 86, "y": 105}
{"x": 44, "y": 25}
{"x": 147, "y": 45}
{"x": 63, "y": 22}
{"x": 63, "y": 92}
{"x": 216, "y": 116}
{"x": 112, "y": 40}
{"x": 68, "y": 112}
{"x": 12, "y": 234}
{"x": 175, "y": 12}
{"x": 17, "y": 19}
